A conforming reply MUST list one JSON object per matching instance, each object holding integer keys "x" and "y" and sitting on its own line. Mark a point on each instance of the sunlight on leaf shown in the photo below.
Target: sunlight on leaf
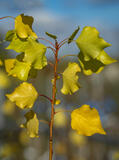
{"x": 86, "y": 121}
{"x": 23, "y": 26}
{"x": 24, "y": 95}
{"x": 32, "y": 124}
{"x": 92, "y": 56}
{"x": 35, "y": 54}
{"x": 70, "y": 79}
{"x": 17, "y": 44}
{"x": 17, "y": 69}
{"x": 20, "y": 70}
{"x": 9, "y": 64}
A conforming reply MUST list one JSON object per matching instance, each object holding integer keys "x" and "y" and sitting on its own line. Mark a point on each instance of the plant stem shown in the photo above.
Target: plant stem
{"x": 53, "y": 102}
{"x": 67, "y": 56}
{"x": 41, "y": 38}
{"x": 7, "y": 17}
{"x": 42, "y": 95}
{"x": 44, "y": 121}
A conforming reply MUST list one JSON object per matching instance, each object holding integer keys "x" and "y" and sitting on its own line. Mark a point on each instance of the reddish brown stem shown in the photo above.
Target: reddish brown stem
{"x": 42, "y": 95}
{"x": 51, "y": 64}
{"x": 53, "y": 102}
{"x": 46, "y": 41}
{"x": 62, "y": 42}
{"x": 7, "y": 17}
{"x": 68, "y": 55}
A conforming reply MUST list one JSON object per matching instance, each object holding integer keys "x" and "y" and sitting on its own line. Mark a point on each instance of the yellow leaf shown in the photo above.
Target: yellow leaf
{"x": 17, "y": 69}
{"x": 23, "y": 26}
{"x": 9, "y": 64}
{"x": 57, "y": 102}
{"x": 86, "y": 121}
{"x": 32, "y": 124}
{"x": 24, "y": 95}
{"x": 8, "y": 108}
{"x": 70, "y": 79}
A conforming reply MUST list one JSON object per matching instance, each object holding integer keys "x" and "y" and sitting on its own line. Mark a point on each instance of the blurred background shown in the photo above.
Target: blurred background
{"x": 100, "y": 91}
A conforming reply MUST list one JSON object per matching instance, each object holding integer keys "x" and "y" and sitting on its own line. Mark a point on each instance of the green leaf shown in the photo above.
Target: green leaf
{"x": 70, "y": 79}
{"x": 51, "y": 35}
{"x": 24, "y": 95}
{"x": 23, "y": 26}
{"x": 35, "y": 54}
{"x": 32, "y": 124}
{"x": 86, "y": 121}
{"x": 9, "y": 35}
{"x": 18, "y": 45}
{"x": 73, "y": 35}
{"x": 92, "y": 56}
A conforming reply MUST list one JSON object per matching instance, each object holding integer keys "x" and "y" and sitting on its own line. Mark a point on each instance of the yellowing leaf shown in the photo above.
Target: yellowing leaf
{"x": 20, "y": 70}
{"x": 70, "y": 79}
{"x": 8, "y": 108}
{"x": 86, "y": 121}
{"x": 17, "y": 69}
{"x": 24, "y": 95}
{"x": 90, "y": 44}
{"x": 4, "y": 80}
{"x": 9, "y": 35}
{"x": 105, "y": 58}
{"x": 23, "y": 26}
{"x": 17, "y": 44}
{"x": 92, "y": 56}
{"x": 35, "y": 54}
{"x": 32, "y": 124}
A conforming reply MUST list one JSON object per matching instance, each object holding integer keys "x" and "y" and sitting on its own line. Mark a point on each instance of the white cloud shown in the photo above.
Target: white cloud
{"x": 51, "y": 22}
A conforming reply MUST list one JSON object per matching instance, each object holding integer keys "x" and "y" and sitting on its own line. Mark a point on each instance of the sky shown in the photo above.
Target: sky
{"x": 62, "y": 17}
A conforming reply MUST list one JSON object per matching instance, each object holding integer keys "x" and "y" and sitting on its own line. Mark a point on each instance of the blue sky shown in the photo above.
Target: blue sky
{"x": 61, "y": 16}
{"x": 84, "y": 10}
